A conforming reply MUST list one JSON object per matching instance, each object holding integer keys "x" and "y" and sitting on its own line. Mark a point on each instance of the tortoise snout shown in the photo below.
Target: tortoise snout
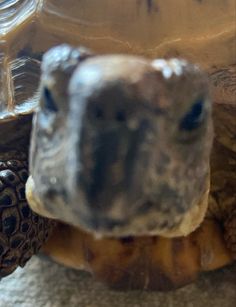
{"x": 114, "y": 159}
{"x": 112, "y": 107}
{"x": 113, "y": 131}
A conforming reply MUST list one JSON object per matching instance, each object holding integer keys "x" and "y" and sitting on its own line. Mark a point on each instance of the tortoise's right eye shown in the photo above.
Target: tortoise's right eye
{"x": 194, "y": 117}
{"x": 49, "y": 102}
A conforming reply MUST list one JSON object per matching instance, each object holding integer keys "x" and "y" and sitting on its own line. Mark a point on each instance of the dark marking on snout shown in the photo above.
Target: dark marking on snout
{"x": 114, "y": 146}
{"x": 104, "y": 156}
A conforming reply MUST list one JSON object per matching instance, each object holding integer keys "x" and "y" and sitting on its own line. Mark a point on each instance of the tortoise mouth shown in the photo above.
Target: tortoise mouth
{"x": 151, "y": 223}
{"x": 142, "y": 220}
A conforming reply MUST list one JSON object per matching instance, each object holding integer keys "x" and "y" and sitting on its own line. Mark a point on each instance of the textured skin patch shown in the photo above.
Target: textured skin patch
{"x": 22, "y": 232}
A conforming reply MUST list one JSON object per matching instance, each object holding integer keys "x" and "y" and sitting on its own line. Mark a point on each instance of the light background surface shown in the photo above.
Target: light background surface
{"x": 45, "y": 284}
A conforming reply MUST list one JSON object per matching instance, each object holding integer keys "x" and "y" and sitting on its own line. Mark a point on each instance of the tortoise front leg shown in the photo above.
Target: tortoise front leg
{"x": 155, "y": 263}
{"x": 22, "y": 232}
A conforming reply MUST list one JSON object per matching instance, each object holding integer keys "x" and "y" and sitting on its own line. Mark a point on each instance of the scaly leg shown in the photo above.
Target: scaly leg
{"x": 143, "y": 262}
{"x": 22, "y": 232}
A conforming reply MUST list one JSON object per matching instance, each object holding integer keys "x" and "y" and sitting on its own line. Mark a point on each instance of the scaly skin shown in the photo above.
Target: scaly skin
{"x": 22, "y": 232}
{"x": 150, "y": 263}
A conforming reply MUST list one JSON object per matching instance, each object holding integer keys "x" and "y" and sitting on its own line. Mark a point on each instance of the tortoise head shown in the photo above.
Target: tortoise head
{"x": 121, "y": 144}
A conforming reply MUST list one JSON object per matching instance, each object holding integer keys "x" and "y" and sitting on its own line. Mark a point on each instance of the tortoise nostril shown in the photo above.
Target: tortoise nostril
{"x": 120, "y": 116}
{"x": 98, "y": 113}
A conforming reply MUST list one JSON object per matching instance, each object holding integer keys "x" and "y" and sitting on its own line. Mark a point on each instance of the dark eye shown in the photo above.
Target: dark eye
{"x": 49, "y": 102}
{"x": 194, "y": 117}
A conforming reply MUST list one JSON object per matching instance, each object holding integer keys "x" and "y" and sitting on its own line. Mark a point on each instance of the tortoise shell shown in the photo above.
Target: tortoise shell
{"x": 22, "y": 232}
{"x": 28, "y": 28}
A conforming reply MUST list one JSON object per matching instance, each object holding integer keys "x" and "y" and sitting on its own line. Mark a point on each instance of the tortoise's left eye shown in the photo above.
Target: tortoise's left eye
{"x": 193, "y": 119}
{"x": 49, "y": 102}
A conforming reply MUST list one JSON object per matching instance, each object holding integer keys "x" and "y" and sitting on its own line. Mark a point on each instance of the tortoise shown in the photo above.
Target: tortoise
{"x": 28, "y": 30}
{"x": 122, "y": 154}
